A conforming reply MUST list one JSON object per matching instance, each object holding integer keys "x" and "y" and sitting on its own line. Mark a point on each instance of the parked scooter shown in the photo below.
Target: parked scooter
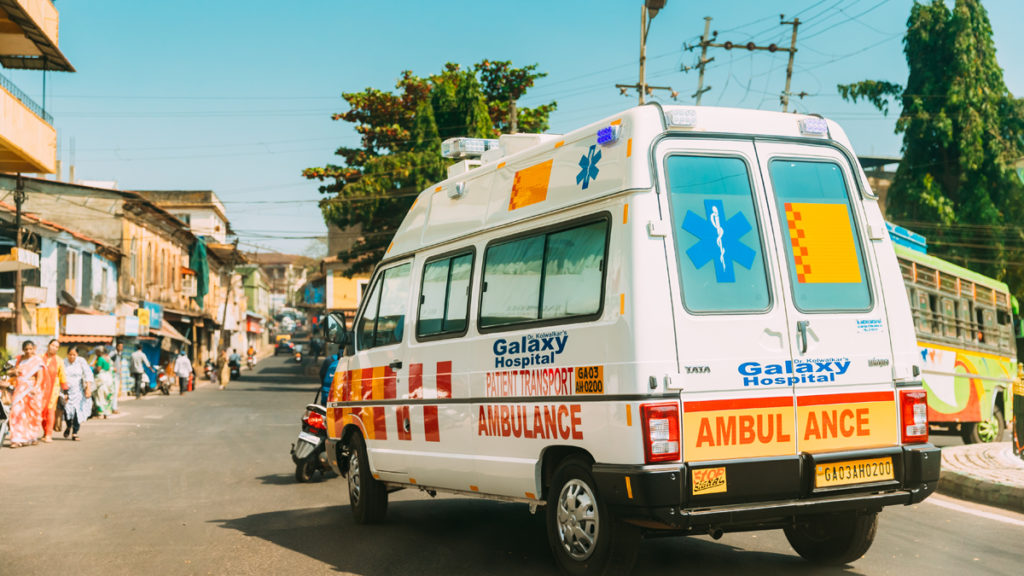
{"x": 208, "y": 369}
{"x": 308, "y": 451}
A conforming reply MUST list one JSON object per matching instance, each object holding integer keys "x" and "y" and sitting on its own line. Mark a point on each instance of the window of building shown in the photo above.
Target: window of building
{"x": 547, "y": 276}
{"x": 444, "y": 296}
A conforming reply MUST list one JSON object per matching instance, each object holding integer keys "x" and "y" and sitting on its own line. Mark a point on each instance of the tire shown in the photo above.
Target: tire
{"x": 367, "y": 497}
{"x": 833, "y": 539}
{"x": 585, "y": 538}
{"x": 5, "y": 429}
{"x": 991, "y": 430}
{"x": 304, "y": 470}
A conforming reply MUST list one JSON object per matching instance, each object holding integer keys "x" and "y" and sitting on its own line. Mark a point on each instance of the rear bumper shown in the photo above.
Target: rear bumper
{"x": 761, "y": 493}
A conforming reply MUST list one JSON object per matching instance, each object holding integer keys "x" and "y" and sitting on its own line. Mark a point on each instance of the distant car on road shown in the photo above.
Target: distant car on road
{"x": 284, "y": 347}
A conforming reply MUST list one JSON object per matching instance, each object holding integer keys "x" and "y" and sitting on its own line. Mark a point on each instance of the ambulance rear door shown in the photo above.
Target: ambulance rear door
{"x": 839, "y": 334}
{"x": 733, "y": 332}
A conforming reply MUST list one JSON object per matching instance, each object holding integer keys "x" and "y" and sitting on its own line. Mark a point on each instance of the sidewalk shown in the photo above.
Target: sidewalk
{"x": 986, "y": 473}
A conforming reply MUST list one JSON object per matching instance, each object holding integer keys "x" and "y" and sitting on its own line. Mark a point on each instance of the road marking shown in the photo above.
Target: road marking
{"x": 939, "y": 501}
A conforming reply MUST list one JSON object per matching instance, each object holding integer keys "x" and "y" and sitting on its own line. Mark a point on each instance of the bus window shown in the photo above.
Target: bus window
{"x": 949, "y": 318}
{"x": 966, "y": 324}
{"x": 923, "y": 316}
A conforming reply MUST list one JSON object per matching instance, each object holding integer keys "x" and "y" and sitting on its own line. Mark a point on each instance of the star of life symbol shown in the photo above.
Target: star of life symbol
{"x": 718, "y": 240}
{"x": 588, "y": 166}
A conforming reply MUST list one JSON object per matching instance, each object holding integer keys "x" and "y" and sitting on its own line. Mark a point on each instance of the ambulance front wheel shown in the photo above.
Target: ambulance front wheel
{"x": 367, "y": 497}
{"x": 833, "y": 539}
{"x": 584, "y": 537}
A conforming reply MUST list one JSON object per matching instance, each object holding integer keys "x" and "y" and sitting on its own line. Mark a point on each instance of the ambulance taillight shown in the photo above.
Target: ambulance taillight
{"x": 914, "y": 409}
{"x": 661, "y": 432}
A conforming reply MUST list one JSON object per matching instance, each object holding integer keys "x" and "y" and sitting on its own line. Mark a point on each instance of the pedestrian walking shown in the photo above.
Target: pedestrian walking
{"x": 121, "y": 375}
{"x": 103, "y": 395}
{"x": 223, "y": 369}
{"x": 53, "y": 383}
{"x": 27, "y": 403}
{"x": 138, "y": 365}
{"x": 182, "y": 369}
{"x": 78, "y": 404}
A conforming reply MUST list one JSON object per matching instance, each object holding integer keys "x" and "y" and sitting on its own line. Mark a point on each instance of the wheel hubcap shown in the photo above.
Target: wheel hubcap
{"x": 987, "y": 429}
{"x": 577, "y": 519}
{"x": 353, "y": 477}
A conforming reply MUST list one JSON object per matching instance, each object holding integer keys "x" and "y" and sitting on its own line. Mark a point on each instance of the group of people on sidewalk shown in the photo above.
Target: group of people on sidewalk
{"x": 51, "y": 393}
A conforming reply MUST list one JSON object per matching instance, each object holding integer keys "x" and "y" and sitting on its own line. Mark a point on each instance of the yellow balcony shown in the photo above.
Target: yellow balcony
{"x": 27, "y": 142}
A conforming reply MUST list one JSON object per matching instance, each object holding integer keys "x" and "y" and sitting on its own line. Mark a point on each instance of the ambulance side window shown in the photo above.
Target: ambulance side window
{"x": 826, "y": 267}
{"x": 383, "y": 320}
{"x": 444, "y": 296}
{"x": 542, "y": 277}
{"x": 718, "y": 240}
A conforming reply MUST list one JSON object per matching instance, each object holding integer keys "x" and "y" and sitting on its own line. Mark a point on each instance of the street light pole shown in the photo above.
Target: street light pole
{"x": 19, "y": 199}
{"x": 648, "y": 11}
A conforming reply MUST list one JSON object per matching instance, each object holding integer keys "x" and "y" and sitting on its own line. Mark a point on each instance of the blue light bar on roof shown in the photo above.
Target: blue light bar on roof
{"x": 608, "y": 135}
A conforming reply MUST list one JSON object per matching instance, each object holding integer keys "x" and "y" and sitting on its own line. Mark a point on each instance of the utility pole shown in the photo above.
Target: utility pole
{"x": 19, "y": 199}
{"x": 647, "y": 13}
{"x": 707, "y": 42}
{"x": 224, "y": 338}
{"x": 792, "y": 53}
{"x": 704, "y": 60}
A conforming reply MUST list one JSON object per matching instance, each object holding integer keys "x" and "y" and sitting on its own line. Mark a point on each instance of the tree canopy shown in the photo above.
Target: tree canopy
{"x": 401, "y": 132}
{"x": 961, "y": 137}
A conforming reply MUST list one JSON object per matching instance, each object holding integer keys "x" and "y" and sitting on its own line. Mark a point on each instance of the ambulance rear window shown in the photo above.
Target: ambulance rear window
{"x": 718, "y": 242}
{"x": 826, "y": 267}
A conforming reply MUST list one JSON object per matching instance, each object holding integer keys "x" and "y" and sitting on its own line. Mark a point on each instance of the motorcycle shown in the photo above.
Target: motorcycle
{"x": 251, "y": 361}
{"x": 163, "y": 382}
{"x": 236, "y": 369}
{"x": 298, "y": 354}
{"x": 309, "y": 450}
{"x": 7, "y": 394}
{"x": 208, "y": 370}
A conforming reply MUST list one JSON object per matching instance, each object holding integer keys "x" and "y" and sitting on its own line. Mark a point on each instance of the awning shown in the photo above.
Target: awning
{"x": 85, "y": 339}
{"x": 169, "y": 331}
{"x": 19, "y": 259}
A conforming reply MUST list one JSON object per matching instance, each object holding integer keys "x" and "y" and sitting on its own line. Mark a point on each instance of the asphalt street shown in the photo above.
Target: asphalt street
{"x": 203, "y": 484}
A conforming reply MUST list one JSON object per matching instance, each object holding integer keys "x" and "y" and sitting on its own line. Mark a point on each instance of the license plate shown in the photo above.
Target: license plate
{"x": 853, "y": 472}
{"x": 314, "y": 440}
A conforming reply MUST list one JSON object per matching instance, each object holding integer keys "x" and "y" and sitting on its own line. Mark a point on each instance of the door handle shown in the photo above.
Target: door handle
{"x": 801, "y": 335}
{"x": 395, "y": 365}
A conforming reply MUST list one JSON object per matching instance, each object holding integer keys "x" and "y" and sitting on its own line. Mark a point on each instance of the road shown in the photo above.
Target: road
{"x": 203, "y": 484}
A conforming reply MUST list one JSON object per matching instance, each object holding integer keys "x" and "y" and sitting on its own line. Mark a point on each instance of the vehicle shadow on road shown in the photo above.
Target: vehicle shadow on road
{"x": 466, "y": 536}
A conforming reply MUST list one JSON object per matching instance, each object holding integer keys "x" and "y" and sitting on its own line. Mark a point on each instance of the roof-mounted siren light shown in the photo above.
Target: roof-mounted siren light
{"x": 462, "y": 148}
{"x": 814, "y": 126}
{"x": 682, "y": 118}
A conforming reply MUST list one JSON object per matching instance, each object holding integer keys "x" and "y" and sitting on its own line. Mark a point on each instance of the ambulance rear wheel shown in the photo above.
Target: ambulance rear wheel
{"x": 833, "y": 539}
{"x": 584, "y": 536}
{"x": 367, "y": 497}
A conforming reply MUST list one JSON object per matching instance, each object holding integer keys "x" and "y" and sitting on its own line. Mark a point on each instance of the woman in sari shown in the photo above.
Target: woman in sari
{"x": 78, "y": 406}
{"x": 103, "y": 397}
{"x": 27, "y": 403}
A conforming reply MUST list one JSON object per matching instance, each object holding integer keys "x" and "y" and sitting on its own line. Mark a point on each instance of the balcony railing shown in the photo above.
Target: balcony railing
{"x": 24, "y": 99}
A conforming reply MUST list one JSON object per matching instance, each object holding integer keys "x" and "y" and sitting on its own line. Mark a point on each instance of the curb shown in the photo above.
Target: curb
{"x": 981, "y": 473}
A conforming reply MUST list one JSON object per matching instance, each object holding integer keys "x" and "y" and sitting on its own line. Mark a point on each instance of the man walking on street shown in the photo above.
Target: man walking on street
{"x": 120, "y": 365}
{"x": 182, "y": 369}
{"x": 139, "y": 363}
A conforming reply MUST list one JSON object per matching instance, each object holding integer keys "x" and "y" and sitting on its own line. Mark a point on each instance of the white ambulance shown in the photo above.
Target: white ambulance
{"x": 675, "y": 320}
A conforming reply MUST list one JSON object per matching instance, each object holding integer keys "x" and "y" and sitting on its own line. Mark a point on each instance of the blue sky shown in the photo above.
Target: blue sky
{"x": 236, "y": 96}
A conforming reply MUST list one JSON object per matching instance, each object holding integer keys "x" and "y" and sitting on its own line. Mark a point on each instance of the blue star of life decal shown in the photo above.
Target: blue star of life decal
{"x": 719, "y": 240}
{"x": 588, "y": 166}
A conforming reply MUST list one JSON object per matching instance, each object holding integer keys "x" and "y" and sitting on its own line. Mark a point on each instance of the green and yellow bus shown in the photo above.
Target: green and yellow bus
{"x": 965, "y": 330}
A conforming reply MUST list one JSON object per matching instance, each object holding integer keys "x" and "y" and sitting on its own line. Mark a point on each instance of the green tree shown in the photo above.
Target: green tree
{"x": 961, "y": 137}
{"x": 400, "y": 148}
